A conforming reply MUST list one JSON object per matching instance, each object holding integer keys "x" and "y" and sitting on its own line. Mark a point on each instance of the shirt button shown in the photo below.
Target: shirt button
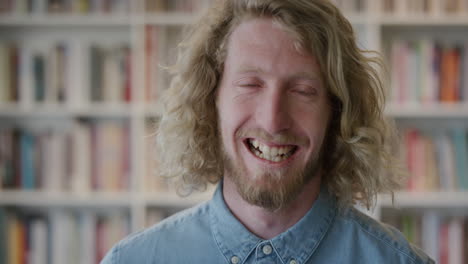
{"x": 235, "y": 259}
{"x": 267, "y": 249}
{"x": 293, "y": 261}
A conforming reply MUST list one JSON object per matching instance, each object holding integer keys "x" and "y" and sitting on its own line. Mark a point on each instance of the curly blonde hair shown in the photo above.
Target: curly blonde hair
{"x": 358, "y": 161}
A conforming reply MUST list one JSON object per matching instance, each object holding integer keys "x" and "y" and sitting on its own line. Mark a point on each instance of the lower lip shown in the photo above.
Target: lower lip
{"x": 271, "y": 163}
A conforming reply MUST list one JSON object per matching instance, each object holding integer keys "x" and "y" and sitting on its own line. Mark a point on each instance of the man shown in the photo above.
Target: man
{"x": 273, "y": 100}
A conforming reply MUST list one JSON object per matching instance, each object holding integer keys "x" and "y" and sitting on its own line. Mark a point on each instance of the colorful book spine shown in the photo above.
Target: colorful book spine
{"x": 64, "y": 6}
{"x": 425, "y": 71}
{"x": 424, "y": 7}
{"x": 92, "y": 156}
{"x": 436, "y": 160}
{"x": 27, "y": 149}
{"x": 441, "y": 236}
{"x": 461, "y": 155}
{"x": 60, "y": 236}
{"x": 56, "y": 72}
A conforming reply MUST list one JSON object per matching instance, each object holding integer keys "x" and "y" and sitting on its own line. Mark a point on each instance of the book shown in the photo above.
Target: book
{"x": 38, "y": 252}
{"x": 59, "y": 236}
{"x": 442, "y": 236}
{"x": 3, "y": 236}
{"x": 13, "y": 241}
{"x": 430, "y": 223}
{"x": 455, "y": 238}
{"x": 465, "y": 240}
{"x": 69, "y": 71}
{"x": 5, "y": 73}
{"x": 436, "y": 160}
{"x": 461, "y": 155}
{"x": 426, "y": 71}
{"x": 88, "y": 156}
{"x": 151, "y": 62}
{"x": 444, "y": 243}
{"x": 449, "y": 82}
{"x": 464, "y": 74}
{"x": 426, "y": 7}
{"x": 87, "y": 237}
{"x": 96, "y": 65}
{"x": 432, "y": 173}
{"x": 27, "y": 147}
{"x": 81, "y": 174}
{"x": 39, "y": 78}
{"x": 7, "y": 162}
{"x": 110, "y": 78}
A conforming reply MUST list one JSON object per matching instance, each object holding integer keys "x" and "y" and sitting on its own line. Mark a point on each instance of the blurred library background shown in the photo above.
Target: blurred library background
{"x": 79, "y": 87}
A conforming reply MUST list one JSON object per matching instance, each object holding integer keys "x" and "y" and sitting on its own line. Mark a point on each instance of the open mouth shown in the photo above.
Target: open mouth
{"x": 274, "y": 154}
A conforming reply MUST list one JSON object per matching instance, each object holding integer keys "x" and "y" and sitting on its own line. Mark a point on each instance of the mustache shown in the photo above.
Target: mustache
{"x": 282, "y": 138}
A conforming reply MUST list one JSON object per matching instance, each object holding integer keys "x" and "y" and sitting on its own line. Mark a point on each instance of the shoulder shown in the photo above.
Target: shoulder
{"x": 174, "y": 231}
{"x": 379, "y": 238}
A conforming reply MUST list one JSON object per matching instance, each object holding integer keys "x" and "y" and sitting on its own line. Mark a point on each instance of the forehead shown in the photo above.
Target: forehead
{"x": 261, "y": 43}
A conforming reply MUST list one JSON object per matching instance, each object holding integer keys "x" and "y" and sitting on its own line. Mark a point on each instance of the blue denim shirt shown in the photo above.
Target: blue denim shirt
{"x": 209, "y": 233}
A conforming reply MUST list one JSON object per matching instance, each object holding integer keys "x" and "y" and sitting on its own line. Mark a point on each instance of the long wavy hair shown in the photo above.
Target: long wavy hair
{"x": 358, "y": 160}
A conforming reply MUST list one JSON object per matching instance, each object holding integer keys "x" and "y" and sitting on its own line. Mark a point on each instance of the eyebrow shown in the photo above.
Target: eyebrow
{"x": 300, "y": 75}
{"x": 249, "y": 69}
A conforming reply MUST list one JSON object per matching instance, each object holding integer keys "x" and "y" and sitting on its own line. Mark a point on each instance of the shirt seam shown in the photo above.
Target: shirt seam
{"x": 277, "y": 253}
{"x": 411, "y": 258}
{"x": 226, "y": 257}
{"x": 218, "y": 245}
{"x": 214, "y": 230}
{"x": 333, "y": 215}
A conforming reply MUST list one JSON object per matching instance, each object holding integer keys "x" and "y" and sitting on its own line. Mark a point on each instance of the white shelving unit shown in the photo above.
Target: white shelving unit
{"x": 371, "y": 25}
{"x": 427, "y": 200}
{"x": 57, "y": 20}
{"x": 62, "y": 199}
{"x": 417, "y": 111}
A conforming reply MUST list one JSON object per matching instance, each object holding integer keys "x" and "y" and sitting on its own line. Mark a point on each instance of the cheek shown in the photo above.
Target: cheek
{"x": 315, "y": 126}
{"x": 228, "y": 120}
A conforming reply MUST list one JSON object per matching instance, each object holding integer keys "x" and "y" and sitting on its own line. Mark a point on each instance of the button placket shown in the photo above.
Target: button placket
{"x": 267, "y": 249}
{"x": 265, "y": 254}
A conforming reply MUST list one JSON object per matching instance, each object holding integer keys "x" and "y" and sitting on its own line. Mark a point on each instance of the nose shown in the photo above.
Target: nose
{"x": 273, "y": 112}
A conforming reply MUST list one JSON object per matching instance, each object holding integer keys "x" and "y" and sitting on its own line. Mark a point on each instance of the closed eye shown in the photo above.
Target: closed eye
{"x": 249, "y": 85}
{"x": 305, "y": 90}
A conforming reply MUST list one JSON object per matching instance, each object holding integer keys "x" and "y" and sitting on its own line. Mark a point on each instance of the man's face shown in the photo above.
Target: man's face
{"x": 273, "y": 114}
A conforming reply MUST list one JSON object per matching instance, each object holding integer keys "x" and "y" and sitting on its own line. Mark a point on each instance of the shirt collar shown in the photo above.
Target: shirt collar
{"x": 298, "y": 242}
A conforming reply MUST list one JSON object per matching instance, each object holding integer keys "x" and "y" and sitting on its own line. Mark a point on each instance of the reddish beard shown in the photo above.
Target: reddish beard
{"x": 270, "y": 189}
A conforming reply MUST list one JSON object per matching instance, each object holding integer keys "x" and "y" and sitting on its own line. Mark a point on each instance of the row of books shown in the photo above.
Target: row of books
{"x": 436, "y": 160}
{"x": 67, "y": 71}
{"x": 427, "y": 71}
{"x": 92, "y": 156}
{"x": 64, "y": 6}
{"x": 160, "y": 53}
{"x": 175, "y": 5}
{"x": 444, "y": 238}
{"x": 62, "y": 236}
{"x": 110, "y": 73}
{"x": 425, "y": 6}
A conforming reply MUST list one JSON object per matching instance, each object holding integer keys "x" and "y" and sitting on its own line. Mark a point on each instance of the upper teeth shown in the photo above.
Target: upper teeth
{"x": 271, "y": 153}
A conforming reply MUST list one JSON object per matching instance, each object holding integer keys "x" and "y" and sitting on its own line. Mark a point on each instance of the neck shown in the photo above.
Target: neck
{"x": 264, "y": 223}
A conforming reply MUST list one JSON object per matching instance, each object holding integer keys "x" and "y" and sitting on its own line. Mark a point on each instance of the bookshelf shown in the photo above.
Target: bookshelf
{"x": 132, "y": 38}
